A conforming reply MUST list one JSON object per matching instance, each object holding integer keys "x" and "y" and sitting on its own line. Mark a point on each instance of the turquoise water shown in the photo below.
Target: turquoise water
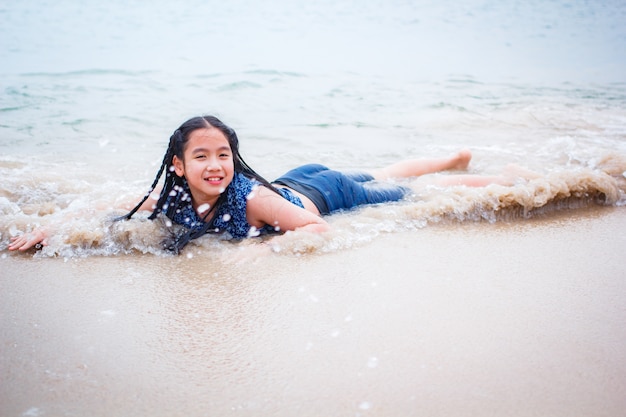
{"x": 524, "y": 40}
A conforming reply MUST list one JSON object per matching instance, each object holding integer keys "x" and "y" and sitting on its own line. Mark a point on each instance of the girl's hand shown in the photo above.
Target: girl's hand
{"x": 28, "y": 240}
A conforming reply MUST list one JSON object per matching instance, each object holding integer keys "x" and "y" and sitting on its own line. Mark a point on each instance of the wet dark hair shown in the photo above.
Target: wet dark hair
{"x": 174, "y": 183}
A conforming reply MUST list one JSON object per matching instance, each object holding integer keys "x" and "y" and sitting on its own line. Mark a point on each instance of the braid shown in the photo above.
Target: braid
{"x": 246, "y": 169}
{"x": 167, "y": 160}
{"x": 173, "y": 183}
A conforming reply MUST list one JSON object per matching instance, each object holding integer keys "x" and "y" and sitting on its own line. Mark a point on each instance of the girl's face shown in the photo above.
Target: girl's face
{"x": 207, "y": 165}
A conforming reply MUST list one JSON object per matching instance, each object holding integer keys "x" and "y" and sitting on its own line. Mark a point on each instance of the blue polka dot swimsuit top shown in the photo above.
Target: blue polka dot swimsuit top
{"x": 230, "y": 219}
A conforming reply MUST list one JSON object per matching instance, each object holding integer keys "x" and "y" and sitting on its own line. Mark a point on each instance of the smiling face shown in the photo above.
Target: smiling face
{"x": 207, "y": 165}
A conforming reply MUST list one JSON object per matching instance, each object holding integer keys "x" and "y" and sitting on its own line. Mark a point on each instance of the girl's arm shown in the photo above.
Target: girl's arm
{"x": 267, "y": 207}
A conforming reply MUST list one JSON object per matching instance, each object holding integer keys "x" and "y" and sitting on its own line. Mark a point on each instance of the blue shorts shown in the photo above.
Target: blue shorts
{"x": 332, "y": 191}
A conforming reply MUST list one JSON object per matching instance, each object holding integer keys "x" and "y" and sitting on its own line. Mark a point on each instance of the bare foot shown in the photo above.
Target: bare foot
{"x": 461, "y": 160}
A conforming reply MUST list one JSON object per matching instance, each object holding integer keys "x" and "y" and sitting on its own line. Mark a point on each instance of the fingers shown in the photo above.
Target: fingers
{"x": 27, "y": 241}
{"x": 16, "y": 243}
{"x": 20, "y": 243}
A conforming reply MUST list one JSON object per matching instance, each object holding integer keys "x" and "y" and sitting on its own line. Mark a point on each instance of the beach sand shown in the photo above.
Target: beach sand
{"x": 505, "y": 319}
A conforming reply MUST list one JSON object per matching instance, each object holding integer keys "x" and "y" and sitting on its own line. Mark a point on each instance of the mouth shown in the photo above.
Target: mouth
{"x": 214, "y": 180}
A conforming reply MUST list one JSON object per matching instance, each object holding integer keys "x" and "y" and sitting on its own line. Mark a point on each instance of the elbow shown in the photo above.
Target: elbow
{"x": 319, "y": 227}
{"x": 324, "y": 227}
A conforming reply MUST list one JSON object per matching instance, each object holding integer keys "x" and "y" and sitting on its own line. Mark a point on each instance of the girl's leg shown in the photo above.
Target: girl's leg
{"x": 511, "y": 175}
{"x": 472, "y": 180}
{"x": 417, "y": 167}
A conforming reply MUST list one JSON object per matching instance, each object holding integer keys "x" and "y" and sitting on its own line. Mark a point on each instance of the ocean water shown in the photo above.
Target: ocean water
{"x": 91, "y": 93}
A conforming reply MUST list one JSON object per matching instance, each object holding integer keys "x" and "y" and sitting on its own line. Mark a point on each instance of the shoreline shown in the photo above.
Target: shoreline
{"x": 509, "y": 318}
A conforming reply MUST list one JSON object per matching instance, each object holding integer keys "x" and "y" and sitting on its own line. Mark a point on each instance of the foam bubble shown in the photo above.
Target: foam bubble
{"x": 365, "y": 405}
{"x": 372, "y": 362}
{"x": 203, "y": 208}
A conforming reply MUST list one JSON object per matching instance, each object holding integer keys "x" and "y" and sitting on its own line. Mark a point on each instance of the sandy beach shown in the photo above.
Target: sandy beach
{"x": 473, "y": 319}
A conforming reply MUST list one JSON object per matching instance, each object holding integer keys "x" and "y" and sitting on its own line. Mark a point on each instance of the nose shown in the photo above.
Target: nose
{"x": 213, "y": 164}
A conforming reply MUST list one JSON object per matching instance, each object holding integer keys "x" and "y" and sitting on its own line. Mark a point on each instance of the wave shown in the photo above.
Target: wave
{"x": 89, "y": 72}
{"x": 554, "y": 192}
{"x": 83, "y": 228}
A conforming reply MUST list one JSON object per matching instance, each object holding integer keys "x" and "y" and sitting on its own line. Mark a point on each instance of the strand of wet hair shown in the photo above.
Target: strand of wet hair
{"x": 166, "y": 158}
{"x": 246, "y": 169}
{"x": 169, "y": 184}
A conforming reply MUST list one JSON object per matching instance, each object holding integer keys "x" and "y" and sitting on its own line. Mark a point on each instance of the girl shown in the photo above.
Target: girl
{"x": 209, "y": 188}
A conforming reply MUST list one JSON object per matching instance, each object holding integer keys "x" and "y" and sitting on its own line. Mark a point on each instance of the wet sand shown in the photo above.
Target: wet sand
{"x": 516, "y": 319}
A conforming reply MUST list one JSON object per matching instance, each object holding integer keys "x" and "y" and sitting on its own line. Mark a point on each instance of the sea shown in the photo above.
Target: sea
{"x": 91, "y": 92}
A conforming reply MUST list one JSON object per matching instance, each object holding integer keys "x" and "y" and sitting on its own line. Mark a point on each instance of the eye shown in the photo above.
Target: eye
{"x": 200, "y": 156}
{"x": 224, "y": 155}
